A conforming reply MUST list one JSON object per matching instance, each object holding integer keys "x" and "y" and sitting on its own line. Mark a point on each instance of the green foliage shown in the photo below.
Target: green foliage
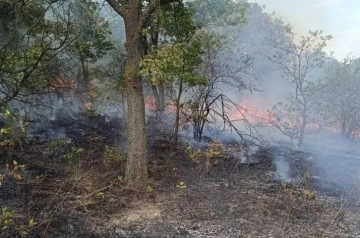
{"x": 29, "y": 46}
{"x": 149, "y": 189}
{"x": 219, "y": 13}
{"x": 178, "y": 61}
{"x": 113, "y": 156}
{"x": 179, "y": 53}
{"x": 58, "y": 148}
{"x": 8, "y": 222}
{"x": 9, "y": 138}
{"x": 309, "y": 195}
{"x": 213, "y": 152}
{"x": 92, "y": 112}
{"x": 40, "y": 40}
{"x": 7, "y": 133}
{"x": 181, "y": 185}
{"x": 11, "y": 132}
{"x": 93, "y": 32}
{"x": 55, "y": 145}
{"x": 339, "y": 98}
{"x": 7, "y": 217}
{"x": 193, "y": 155}
{"x": 170, "y": 23}
{"x": 75, "y": 155}
{"x": 25, "y": 14}
{"x": 18, "y": 67}
{"x": 13, "y": 170}
{"x": 114, "y": 71}
{"x": 177, "y": 22}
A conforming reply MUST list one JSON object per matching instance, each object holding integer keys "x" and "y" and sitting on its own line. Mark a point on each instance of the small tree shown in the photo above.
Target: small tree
{"x": 340, "y": 96}
{"x": 224, "y": 65}
{"x": 297, "y": 59}
{"x": 170, "y": 24}
{"x": 208, "y": 101}
{"x": 176, "y": 65}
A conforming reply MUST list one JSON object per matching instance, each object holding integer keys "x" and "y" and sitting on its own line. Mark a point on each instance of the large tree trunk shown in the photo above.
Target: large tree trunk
{"x": 135, "y": 18}
{"x": 136, "y": 168}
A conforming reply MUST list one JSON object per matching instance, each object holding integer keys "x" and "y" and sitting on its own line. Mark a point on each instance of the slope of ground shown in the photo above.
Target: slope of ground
{"x": 73, "y": 188}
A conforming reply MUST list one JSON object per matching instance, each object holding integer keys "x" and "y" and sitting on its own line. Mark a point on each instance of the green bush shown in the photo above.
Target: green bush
{"x": 55, "y": 145}
{"x": 75, "y": 155}
{"x": 113, "y": 156}
{"x": 7, "y": 217}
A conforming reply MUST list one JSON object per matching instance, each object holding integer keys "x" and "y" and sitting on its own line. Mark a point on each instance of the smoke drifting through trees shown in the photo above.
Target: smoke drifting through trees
{"x": 297, "y": 61}
{"x": 69, "y": 89}
{"x": 224, "y": 55}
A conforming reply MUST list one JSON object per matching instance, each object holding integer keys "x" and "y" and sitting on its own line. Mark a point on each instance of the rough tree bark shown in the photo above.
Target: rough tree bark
{"x": 135, "y": 18}
{"x": 136, "y": 168}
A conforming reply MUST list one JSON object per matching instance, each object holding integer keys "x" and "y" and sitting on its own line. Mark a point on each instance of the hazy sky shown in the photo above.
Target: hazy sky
{"x": 339, "y": 18}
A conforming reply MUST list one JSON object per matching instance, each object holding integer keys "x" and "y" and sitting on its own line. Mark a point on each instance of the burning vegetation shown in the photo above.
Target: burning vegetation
{"x": 214, "y": 120}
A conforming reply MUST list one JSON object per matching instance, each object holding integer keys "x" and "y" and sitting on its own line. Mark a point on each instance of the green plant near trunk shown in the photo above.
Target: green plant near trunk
{"x": 113, "y": 156}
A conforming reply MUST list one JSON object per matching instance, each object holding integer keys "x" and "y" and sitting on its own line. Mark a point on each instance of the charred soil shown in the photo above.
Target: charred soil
{"x": 73, "y": 187}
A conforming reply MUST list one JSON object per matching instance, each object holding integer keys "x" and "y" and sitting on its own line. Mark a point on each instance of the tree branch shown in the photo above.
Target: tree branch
{"x": 114, "y": 4}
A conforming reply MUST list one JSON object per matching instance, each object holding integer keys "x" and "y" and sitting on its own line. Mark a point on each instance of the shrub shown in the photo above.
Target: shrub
{"x": 7, "y": 217}
{"x": 75, "y": 155}
{"x": 113, "y": 156}
{"x": 55, "y": 145}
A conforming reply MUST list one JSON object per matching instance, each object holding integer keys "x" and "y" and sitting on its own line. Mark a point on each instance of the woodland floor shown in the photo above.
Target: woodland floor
{"x": 66, "y": 197}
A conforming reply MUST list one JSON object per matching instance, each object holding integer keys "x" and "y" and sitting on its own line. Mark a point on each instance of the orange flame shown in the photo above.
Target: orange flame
{"x": 253, "y": 114}
{"x": 150, "y": 103}
{"x": 61, "y": 84}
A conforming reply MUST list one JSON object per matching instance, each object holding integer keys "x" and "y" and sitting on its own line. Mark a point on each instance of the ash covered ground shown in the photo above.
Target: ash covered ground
{"x": 72, "y": 186}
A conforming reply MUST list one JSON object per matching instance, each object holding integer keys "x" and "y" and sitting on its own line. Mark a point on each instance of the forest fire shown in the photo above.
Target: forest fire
{"x": 177, "y": 119}
{"x": 250, "y": 112}
{"x": 247, "y": 110}
{"x": 61, "y": 85}
{"x": 150, "y": 103}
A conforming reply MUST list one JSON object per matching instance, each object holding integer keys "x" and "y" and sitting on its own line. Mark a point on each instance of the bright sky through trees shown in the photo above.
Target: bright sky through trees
{"x": 339, "y": 18}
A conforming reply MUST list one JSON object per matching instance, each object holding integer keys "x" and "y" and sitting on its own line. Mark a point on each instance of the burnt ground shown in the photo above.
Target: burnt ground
{"x": 74, "y": 188}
